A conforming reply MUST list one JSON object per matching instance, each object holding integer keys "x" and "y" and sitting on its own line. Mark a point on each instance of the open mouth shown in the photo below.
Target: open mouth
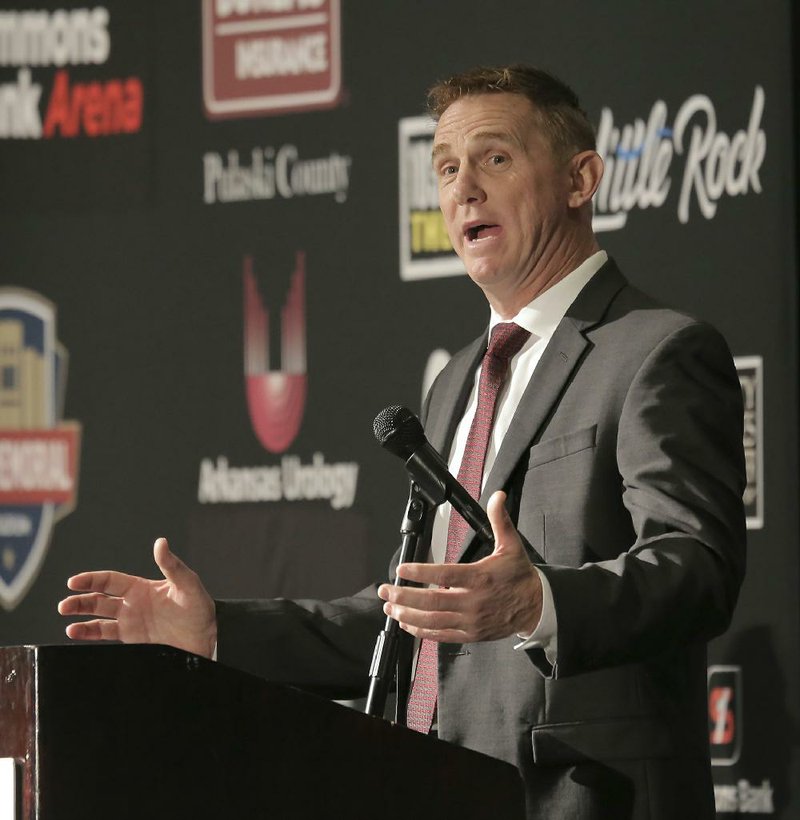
{"x": 477, "y": 232}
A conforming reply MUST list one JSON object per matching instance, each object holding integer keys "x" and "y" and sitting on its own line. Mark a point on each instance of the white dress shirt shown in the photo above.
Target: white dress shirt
{"x": 540, "y": 317}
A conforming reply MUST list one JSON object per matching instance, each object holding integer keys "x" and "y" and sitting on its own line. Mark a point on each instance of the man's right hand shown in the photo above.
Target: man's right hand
{"x": 176, "y": 611}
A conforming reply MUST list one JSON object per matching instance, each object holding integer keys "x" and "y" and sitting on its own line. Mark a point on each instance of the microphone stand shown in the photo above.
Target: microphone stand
{"x": 429, "y": 488}
{"x": 384, "y": 657}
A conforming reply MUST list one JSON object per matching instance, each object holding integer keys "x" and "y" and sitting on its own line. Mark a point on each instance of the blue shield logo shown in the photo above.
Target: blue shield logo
{"x": 39, "y": 453}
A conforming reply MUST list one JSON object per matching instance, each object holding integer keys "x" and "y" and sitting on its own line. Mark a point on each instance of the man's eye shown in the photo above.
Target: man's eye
{"x": 497, "y": 159}
{"x": 447, "y": 170}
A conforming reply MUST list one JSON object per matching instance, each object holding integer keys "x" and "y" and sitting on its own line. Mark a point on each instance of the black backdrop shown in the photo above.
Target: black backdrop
{"x": 113, "y": 216}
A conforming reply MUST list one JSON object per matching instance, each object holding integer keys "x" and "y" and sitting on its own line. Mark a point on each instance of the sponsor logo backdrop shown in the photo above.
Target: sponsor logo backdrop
{"x": 228, "y": 206}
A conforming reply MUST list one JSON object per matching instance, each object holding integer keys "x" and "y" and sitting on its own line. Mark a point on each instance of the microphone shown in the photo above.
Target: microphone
{"x": 400, "y": 432}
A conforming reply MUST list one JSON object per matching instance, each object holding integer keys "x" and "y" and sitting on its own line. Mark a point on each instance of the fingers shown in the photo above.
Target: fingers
{"x": 439, "y": 635}
{"x": 94, "y": 603}
{"x": 444, "y": 575}
{"x": 505, "y": 534}
{"x": 434, "y": 614}
{"x": 94, "y": 631}
{"x": 434, "y": 626}
{"x": 432, "y": 620}
{"x": 173, "y": 569}
{"x": 106, "y": 581}
{"x": 430, "y": 599}
{"x": 488, "y": 599}
{"x": 118, "y": 583}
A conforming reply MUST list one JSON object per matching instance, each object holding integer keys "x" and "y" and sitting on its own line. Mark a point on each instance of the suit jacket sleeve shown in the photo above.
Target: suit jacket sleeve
{"x": 320, "y": 646}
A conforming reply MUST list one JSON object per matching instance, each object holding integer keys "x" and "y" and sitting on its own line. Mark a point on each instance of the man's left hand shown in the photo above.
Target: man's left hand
{"x": 492, "y": 598}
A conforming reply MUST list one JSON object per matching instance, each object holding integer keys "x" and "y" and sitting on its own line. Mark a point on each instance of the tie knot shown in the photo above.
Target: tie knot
{"x": 507, "y": 339}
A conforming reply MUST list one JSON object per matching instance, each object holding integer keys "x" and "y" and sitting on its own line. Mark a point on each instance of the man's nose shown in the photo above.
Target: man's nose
{"x": 467, "y": 189}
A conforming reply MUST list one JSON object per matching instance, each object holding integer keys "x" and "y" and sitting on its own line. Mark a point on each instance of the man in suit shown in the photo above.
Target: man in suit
{"x": 612, "y": 471}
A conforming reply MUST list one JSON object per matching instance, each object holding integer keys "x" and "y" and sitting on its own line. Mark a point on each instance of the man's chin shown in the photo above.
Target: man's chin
{"x": 482, "y": 274}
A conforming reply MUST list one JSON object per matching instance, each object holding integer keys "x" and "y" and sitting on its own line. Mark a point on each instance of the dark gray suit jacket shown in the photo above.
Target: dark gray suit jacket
{"x": 624, "y": 471}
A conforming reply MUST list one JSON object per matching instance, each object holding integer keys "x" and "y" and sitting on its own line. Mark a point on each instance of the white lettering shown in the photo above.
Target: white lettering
{"x": 281, "y": 56}
{"x": 318, "y": 480}
{"x": 19, "y": 108}
{"x": 638, "y": 157}
{"x": 233, "y": 182}
{"x": 34, "y": 465}
{"x": 326, "y": 175}
{"x": 291, "y": 481}
{"x": 58, "y": 38}
{"x": 286, "y": 155}
{"x": 220, "y": 483}
{"x": 225, "y": 8}
{"x": 15, "y": 526}
{"x": 744, "y": 798}
{"x": 272, "y": 174}
{"x": 423, "y": 190}
{"x": 711, "y": 157}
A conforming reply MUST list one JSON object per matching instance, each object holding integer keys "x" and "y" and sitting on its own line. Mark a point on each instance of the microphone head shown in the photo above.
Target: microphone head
{"x": 398, "y": 430}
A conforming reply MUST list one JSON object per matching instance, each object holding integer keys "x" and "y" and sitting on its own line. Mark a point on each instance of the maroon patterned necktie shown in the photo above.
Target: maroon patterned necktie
{"x": 507, "y": 339}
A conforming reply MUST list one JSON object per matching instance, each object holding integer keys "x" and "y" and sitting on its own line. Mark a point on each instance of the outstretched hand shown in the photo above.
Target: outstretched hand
{"x": 497, "y": 596}
{"x": 177, "y": 610}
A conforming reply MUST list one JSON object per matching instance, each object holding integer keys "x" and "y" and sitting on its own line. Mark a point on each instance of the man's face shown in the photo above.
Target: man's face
{"x": 502, "y": 191}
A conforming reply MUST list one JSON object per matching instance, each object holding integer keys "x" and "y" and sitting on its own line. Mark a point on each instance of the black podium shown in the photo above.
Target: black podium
{"x": 153, "y": 732}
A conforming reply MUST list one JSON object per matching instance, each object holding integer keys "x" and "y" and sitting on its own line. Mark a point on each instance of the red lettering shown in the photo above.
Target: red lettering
{"x": 58, "y": 109}
{"x": 134, "y": 105}
{"x": 78, "y": 96}
{"x": 114, "y": 106}
{"x": 95, "y": 109}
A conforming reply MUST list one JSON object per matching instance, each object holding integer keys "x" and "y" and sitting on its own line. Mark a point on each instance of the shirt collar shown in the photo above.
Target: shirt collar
{"x": 541, "y": 316}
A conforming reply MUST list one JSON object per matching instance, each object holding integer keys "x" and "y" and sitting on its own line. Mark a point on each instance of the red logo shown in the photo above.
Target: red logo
{"x": 275, "y": 398}
{"x": 724, "y": 714}
{"x": 258, "y": 61}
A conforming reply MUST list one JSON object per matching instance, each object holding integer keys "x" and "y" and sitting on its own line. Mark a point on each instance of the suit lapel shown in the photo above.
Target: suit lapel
{"x": 560, "y": 358}
{"x": 454, "y": 387}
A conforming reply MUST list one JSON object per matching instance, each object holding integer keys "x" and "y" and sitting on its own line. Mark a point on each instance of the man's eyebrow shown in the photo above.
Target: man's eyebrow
{"x": 440, "y": 148}
{"x": 478, "y": 136}
{"x": 489, "y": 136}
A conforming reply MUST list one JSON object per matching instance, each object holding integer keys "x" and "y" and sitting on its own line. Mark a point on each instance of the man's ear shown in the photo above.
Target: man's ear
{"x": 586, "y": 171}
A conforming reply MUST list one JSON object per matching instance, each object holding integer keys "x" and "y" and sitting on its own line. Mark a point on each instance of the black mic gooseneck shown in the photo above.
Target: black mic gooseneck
{"x": 400, "y": 432}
